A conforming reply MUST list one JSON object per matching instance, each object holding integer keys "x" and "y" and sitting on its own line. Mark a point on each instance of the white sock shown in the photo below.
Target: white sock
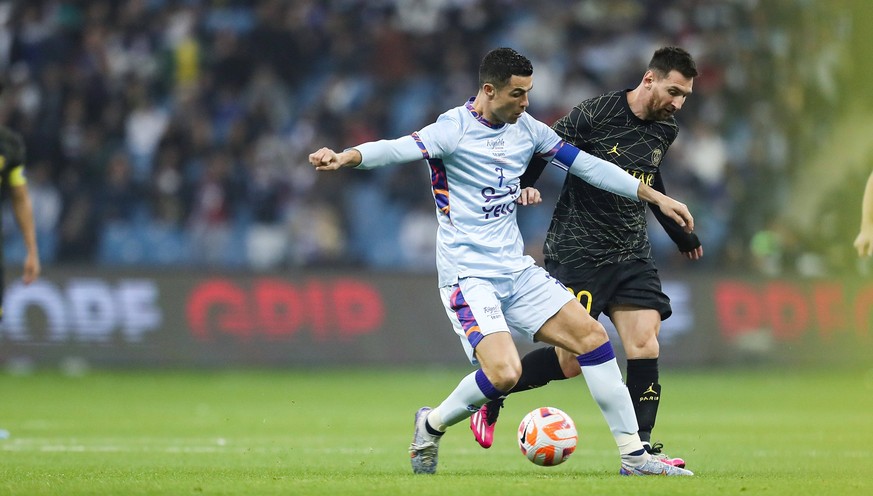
{"x": 611, "y": 394}
{"x": 459, "y": 405}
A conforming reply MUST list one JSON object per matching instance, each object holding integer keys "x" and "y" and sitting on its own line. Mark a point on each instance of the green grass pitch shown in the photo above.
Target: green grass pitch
{"x": 345, "y": 432}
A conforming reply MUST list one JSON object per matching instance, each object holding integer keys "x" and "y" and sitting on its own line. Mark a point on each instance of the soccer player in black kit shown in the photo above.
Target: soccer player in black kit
{"x": 597, "y": 244}
{"x": 13, "y": 186}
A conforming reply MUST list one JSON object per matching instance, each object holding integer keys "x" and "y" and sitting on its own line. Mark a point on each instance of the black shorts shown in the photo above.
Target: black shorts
{"x": 633, "y": 282}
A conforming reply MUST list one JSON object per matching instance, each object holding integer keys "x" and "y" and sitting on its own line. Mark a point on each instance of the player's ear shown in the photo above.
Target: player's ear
{"x": 489, "y": 90}
{"x": 648, "y": 79}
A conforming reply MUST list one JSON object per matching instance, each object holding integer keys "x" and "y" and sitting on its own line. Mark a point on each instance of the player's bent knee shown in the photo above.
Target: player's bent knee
{"x": 504, "y": 376}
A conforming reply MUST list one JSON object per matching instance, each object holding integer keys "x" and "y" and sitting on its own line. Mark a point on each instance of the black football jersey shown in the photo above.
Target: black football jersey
{"x": 591, "y": 227}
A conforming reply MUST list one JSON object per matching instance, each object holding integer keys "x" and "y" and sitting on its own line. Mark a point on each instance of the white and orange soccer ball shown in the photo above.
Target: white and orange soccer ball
{"x": 547, "y": 436}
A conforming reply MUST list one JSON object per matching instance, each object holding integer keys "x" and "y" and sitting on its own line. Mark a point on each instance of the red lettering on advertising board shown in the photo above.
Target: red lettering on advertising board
{"x": 228, "y": 303}
{"x": 355, "y": 308}
{"x": 791, "y": 309}
{"x": 786, "y": 310}
{"x": 279, "y": 308}
{"x": 830, "y": 308}
{"x": 274, "y": 309}
{"x": 737, "y": 308}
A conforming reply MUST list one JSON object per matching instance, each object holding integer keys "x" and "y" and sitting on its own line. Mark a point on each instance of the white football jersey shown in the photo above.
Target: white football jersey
{"x": 475, "y": 170}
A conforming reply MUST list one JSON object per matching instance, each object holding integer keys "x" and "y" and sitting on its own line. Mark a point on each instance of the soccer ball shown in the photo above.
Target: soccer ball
{"x": 547, "y": 436}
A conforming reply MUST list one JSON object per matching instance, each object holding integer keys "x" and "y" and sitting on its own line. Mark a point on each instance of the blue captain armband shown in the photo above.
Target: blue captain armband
{"x": 597, "y": 172}
{"x": 565, "y": 156}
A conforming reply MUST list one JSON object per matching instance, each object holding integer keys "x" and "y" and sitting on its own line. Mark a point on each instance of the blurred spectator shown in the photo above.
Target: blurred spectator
{"x": 196, "y": 116}
{"x": 119, "y": 198}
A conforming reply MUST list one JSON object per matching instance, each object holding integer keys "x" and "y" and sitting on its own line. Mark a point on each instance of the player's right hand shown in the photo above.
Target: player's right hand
{"x": 325, "y": 159}
{"x": 864, "y": 243}
{"x": 677, "y": 211}
{"x": 529, "y": 196}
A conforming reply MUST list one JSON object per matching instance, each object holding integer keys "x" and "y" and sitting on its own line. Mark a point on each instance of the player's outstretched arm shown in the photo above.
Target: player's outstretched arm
{"x": 22, "y": 208}
{"x": 864, "y": 241}
{"x": 369, "y": 155}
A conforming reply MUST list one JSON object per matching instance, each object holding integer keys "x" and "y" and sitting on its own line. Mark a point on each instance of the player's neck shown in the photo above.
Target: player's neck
{"x": 637, "y": 104}
{"x": 481, "y": 107}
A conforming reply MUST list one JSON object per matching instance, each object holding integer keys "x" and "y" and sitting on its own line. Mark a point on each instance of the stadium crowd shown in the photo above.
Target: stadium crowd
{"x": 176, "y": 133}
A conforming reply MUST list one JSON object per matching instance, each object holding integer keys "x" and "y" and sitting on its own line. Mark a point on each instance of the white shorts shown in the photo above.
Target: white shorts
{"x": 522, "y": 301}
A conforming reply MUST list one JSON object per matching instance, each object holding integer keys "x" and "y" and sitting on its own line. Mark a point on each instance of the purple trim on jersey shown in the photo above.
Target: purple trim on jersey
{"x": 421, "y": 146}
{"x": 565, "y": 155}
{"x": 488, "y": 389}
{"x": 479, "y": 117}
{"x": 465, "y": 317}
{"x": 439, "y": 183}
{"x": 602, "y": 354}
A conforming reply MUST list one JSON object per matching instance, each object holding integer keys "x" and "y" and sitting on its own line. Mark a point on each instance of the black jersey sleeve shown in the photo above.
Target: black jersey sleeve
{"x": 534, "y": 170}
{"x": 685, "y": 241}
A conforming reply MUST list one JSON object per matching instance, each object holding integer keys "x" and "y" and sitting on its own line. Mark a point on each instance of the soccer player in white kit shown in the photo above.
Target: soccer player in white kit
{"x": 476, "y": 153}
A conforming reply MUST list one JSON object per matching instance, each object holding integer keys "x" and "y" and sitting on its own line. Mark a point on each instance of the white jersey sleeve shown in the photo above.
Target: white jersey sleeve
{"x": 595, "y": 171}
{"x": 548, "y": 141}
{"x": 439, "y": 139}
{"x": 442, "y": 138}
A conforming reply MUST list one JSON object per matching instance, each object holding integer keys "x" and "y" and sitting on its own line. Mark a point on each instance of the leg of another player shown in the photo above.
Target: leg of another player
{"x": 538, "y": 368}
{"x": 639, "y": 328}
{"x": 543, "y": 365}
{"x": 574, "y": 330}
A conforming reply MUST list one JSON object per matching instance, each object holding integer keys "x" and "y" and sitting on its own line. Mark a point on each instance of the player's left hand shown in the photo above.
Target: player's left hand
{"x": 31, "y": 269}
{"x": 529, "y": 196}
{"x": 695, "y": 254}
{"x": 864, "y": 243}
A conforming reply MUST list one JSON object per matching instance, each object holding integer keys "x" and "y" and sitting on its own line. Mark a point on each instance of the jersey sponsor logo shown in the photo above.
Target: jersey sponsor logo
{"x": 494, "y": 143}
{"x": 492, "y": 311}
{"x": 646, "y": 178}
{"x": 490, "y": 194}
{"x": 657, "y": 155}
{"x": 614, "y": 150}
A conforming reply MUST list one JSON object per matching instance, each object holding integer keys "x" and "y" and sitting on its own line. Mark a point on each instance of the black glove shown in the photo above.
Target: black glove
{"x": 685, "y": 241}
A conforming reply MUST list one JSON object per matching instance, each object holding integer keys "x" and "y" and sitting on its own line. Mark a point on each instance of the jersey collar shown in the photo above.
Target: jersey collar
{"x": 479, "y": 117}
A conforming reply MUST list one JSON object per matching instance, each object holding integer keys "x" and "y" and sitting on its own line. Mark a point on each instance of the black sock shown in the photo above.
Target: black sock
{"x": 538, "y": 368}
{"x": 645, "y": 392}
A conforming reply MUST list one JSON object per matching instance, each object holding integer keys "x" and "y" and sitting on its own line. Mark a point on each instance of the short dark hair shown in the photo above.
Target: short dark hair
{"x": 500, "y": 64}
{"x": 671, "y": 58}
